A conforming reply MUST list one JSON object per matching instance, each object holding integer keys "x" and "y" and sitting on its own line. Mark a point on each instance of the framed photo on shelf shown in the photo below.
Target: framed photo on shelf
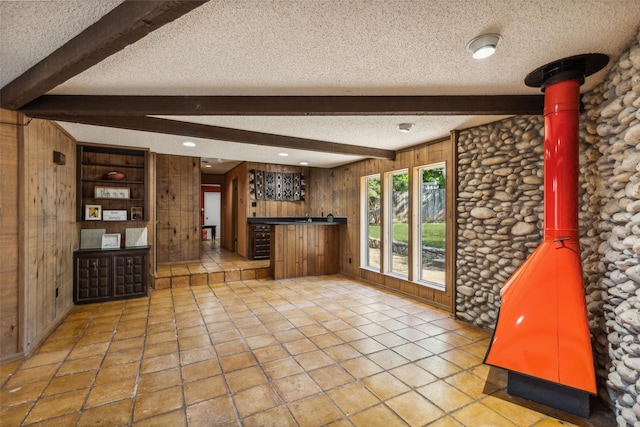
{"x": 111, "y": 241}
{"x": 136, "y": 213}
{"x": 111, "y": 193}
{"x": 93, "y": 212}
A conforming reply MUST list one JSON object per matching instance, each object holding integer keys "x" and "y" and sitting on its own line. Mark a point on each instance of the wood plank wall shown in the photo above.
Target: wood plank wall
{"x": 47, "y": 227}
{"x": 177, "y": 208}
{"x": 272, "y": 208}
{"x": 338, "y": 191}
{"x": 9, "y": 239}
{"x": 240, "y": 173}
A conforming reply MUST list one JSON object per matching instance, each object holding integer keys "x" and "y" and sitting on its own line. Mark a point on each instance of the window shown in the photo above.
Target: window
{"x": 398, "y": 222}
{"x": 370, "y": 253}
{"x": 431, "y": 225}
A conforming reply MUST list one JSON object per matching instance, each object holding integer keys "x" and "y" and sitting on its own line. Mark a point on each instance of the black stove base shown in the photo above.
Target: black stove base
{"x": 548, "y": 393}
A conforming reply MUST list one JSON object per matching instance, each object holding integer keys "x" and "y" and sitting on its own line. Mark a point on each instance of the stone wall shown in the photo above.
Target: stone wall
{"x": 500, "y": 222}
{"x": 616, "y": 192}
{"x": 499, "y": 210}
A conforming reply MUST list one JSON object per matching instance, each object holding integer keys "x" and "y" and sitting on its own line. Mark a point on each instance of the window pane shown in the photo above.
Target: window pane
{"x": 372, "y": 242}
{"x": 399, "y": 230}
{"x": 432, "y": 225}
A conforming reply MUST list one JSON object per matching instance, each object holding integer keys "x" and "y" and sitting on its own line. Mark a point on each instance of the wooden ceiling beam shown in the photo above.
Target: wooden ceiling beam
{"x": 286, "y": 105}
{"x": 125, "y": 24}
{"x": 196, "y": 130}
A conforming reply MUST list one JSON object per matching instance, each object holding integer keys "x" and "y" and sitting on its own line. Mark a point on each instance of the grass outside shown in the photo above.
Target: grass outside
{"x": 432, "y": 233}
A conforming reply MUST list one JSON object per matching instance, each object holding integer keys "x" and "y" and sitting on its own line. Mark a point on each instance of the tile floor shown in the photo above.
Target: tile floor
{"x": 307, "y": 352}
{"x": 216, "y": 265}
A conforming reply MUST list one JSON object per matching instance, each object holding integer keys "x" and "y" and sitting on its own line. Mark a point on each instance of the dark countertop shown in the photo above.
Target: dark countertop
{"x": 315, "y": 220}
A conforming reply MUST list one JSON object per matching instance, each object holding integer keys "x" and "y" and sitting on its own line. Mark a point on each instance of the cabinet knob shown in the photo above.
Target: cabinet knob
{"x": 94, "y": 265}
{"x": 129, "y": 262}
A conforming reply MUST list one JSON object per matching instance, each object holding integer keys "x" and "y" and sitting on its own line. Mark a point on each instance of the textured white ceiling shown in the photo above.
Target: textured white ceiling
{"x": 319, "y": 47}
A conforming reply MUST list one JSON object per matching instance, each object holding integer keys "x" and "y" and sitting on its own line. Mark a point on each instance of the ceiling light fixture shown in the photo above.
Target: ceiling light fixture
{"x": 189, "y": 144}
{"x": 283, "y": 154}
{"x": 405, "y": 127}
{"x": 304, "y": 163}
{"x": 207, "y": 165}
{"x": 484, "y": 46}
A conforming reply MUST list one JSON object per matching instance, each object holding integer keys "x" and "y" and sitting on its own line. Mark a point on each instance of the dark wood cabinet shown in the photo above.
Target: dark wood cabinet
{"x": 109, "y": 275}
{"x": 259, "y": 241}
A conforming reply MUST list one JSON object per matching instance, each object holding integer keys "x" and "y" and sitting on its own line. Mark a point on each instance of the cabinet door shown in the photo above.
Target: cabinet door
{"x": 130, "y": 275}
{"x": 93, "y": 281}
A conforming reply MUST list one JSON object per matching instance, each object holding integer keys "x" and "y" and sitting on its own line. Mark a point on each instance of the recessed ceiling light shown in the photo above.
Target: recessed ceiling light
{"x": 304, "y": 163}
{"x": 207, "y": 166}
{"x": 484, "y": 46}
{"x": 283, "y": 154}
{"x": 405, "y": 127}
{"x": 189, "y": 144}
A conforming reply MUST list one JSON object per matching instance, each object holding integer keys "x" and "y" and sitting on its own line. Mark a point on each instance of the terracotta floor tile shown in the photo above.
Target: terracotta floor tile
{"x": 412, "y": 375}
{"x": 261, "y": 341}
{"x": 367, "y": 346}
{"x": 245, "y": 378}
{"x": 41, "y": 359}
{"x": 199, "y": 370}
{"x": 10, "y": 395}
{"x": 314, "y": 411}
{"x": 152, "y": 350}
{"x": 155, "y": 381}
{"x": 159, "y": 363}
{"x": 57, "y": 344}
{"x": 454, "y": 339}
{"x": 385, "y": 386}
{"x": 255, "y": 399}
{"x": 279, "y": 416}
{"x": 461, "y": 358}
{"x": 152, "y": 404}
{"x": 267, "y": 354}
{"x": 434, "y": 345}
{"x": 205, "y": 389}
{"x": 173, "y": 418}
{"x": 388, "y": 359}
{"x": 313, "y": 360}
{"x": 109, "y": 373}
{"x": 438, "y": 366}
{"x": 471, "y": 385}
{"x": 32, "y": 375}
{"x": 196, "y": 355}
{"x": 231, "y": 347}
{"x": 342, "y": 352}
{"x": 281, "y": 368}
{"x": 55, "y": 406}
{"x": 13, "y": 415}
{"x": 326, "y": 340}
{"x": 361, "y": 367}
{"x": 330, "y": 377}
{"x": 519, "y": 411}
{"x": 61, "y": 421}
{"x": 237, "y": 361}
{"x": 214, "y": 412}
{"x": 445, "y": 396}
{"x": 118, "y": 413}
{"x": 390, "y": 339}
{"x": 352, "y": 398}
{"x": 136, "y": 342}
{"x": 111, "y": 392}
{"x": 414, "y": 408}
{"x": 412, "y": 351}
{"x": 469, "y": 415}
{"x": 379, "y": 415}
{"x": 447, "y": 421}
{"x": 300, "y": 346}
{"x": 288, "y": 335}
{"x": 66, "y": 383}
{"x": 120, "y": 357}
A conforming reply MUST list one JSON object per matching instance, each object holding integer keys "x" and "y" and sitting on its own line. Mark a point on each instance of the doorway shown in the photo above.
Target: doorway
{"x": 234, "y": 215}
{"x": 211, "y": 211}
